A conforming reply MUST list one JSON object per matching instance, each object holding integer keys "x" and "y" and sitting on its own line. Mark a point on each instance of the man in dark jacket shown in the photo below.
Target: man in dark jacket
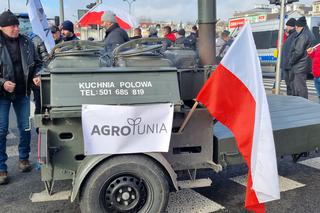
{"x": 43, "y": 54}
{"x": 299, "y": 61}
{"x": 19, "y": 65}
{"x": 67, "y": 30}
{"x": 286, "y": 55}
{"x": 192, "y": 39}
{"x": 181, "y": 37}
{"x": 136, "y": 34}
{"x": 56, "y": 34}
{"x": 114, "y": 34}
{"x": 153, "y": 32}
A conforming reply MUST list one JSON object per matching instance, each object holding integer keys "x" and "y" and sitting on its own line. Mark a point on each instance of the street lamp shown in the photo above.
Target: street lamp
{"x": 130, "y": 2}
{"x": 8, "y": 4}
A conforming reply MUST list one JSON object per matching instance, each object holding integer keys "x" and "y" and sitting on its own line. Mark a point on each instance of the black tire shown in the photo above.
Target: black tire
{"x": 126, "y": 183}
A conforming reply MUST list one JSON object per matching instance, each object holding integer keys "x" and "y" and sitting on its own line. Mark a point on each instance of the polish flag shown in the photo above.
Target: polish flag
{"x": 235, "y": 96}
{"x": 94, "y": 18}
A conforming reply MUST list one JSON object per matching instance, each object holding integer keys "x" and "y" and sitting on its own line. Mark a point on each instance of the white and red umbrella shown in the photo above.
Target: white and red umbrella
{"x": 125, "y": 20}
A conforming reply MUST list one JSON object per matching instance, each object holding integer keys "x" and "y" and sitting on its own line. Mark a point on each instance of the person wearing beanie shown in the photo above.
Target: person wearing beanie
{"x": 22, "y": 64}
{"x": 114, "y": 34}
{"x": 181, "y": 37}
{"x": 67, "y": 31}
{"x": 286, "y": 54}
{"x": 301, "y": 22}
{"x": 299, "y": 62}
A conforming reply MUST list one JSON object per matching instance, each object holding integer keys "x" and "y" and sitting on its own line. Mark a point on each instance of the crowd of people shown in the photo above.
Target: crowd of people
{"x": 296, "y": 57}
{"x": 300, "y": 56}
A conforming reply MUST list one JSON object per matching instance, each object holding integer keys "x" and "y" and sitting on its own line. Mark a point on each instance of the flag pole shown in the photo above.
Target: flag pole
{"x": 185, "y": 122}
{"x": 316, "y": 46}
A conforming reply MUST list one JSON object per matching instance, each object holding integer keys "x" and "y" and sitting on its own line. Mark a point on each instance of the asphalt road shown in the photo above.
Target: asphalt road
{"x": 300, "y": 186}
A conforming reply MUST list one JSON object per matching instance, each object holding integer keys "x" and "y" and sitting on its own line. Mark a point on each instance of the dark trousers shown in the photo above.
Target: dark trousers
{"x": 21, "y": 106}
{"x": 300, "y": 85}
{"x": 288, "y": 77}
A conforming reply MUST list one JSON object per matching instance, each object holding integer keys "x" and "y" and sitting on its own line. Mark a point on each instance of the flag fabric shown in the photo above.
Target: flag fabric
{"x": 125, "y": 20}
{"x": 94, "y": 18}
{"x": 235, "y": 96}
{"x": 39, "y": 23}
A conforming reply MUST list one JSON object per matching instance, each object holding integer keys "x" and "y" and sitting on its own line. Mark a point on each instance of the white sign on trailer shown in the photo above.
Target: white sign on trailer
{"x": 126, "y": 129}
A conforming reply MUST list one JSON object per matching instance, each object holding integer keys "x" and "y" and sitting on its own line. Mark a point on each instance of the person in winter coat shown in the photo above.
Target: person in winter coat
{"x": 114, "y": 34}
{"x": 67, "y": 30}
{"x": 192, "y": 39}
{"x": 314, "y": 54}
{"x": 181, "y": 37}
{"x": 137, "y": 33}
{"x": 299, "y": 60}
{"x": 44, "y": 57}
{"x": 153, "y": 32}
{"x": 286, "y": 54}
{"x": 56, "y": 34}
{"x": 19, "y": 66}
{"x": 167, "y": 33}
{"x": 225, "y": 35}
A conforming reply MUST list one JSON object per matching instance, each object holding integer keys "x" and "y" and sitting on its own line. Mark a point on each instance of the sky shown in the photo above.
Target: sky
{"x": 164, "y": 10}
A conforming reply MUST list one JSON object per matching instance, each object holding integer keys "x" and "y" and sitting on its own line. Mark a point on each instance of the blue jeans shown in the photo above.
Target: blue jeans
{"x": 21, "y": 107}
{"x": 317, "y": 85}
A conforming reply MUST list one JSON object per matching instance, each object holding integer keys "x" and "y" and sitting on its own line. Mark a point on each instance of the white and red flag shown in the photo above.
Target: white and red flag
{"x": 124, "y": 19}
{"x": 235, "y": 96}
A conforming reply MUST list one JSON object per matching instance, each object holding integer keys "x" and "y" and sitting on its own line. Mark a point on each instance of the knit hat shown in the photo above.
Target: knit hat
{"x": 109, "y": 16}
{"x": 301, "y": 22}
{"x": 7, "y": 18}
{"x": 67, "y": 25}
{"x": 291, "y": 22}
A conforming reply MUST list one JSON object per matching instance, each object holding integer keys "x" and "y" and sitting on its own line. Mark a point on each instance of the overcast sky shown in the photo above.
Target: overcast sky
{"x": 176, "y": 10}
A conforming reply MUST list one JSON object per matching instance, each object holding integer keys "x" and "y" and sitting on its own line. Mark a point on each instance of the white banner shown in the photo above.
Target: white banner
{"x": 126, "y": 129}
{"x": 39, "y": 23}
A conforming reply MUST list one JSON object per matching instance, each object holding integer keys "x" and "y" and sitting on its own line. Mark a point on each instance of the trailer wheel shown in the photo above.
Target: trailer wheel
{"x": 127, "y": 183}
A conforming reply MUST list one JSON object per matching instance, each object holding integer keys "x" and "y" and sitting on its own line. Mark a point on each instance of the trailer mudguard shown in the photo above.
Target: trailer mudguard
{"x": 90, "y": 162}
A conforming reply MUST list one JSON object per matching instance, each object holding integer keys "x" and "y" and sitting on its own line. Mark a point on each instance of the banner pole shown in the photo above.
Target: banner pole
{"x": 185, "y": 122}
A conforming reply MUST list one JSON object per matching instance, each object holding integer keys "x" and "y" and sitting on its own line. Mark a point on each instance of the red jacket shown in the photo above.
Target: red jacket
{"x": 171, "y": 37}
{"x": 315, "y": 55}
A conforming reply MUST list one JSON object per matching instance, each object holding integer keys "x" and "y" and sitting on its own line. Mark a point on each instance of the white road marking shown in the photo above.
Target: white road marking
{"x": 285, "y": 183}
{"x": 312, "y": 162}
{"x": 187, "y": 200}
{"x": 12, "y": 151}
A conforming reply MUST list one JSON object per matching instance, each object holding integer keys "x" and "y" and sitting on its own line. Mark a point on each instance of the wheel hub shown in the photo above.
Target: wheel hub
{"x": 125, "y": 194}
